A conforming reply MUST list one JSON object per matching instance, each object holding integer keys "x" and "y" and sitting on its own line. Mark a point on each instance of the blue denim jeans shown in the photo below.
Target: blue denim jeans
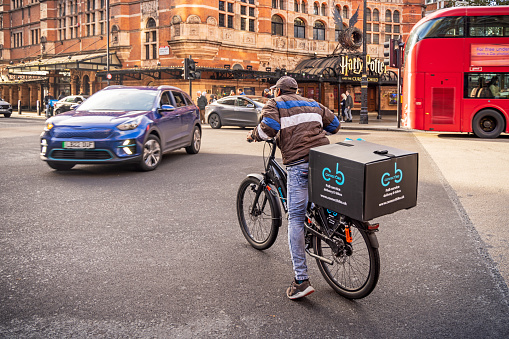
{"x": 297, "y": 203}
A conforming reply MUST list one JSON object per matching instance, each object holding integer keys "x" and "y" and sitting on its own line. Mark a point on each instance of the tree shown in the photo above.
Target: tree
{"x": 486, "y": 2}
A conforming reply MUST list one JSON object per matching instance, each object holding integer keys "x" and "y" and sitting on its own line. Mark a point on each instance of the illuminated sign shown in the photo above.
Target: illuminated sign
{"x": 489, "y": 55}
{"x": 351, "y": 66}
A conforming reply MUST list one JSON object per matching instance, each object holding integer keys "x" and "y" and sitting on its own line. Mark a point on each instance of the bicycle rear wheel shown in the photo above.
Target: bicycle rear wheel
{"x": 356, "y": 266}
{"x": 261, "y": 224}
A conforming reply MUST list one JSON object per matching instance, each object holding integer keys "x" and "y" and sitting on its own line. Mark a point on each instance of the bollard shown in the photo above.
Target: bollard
{"x": 19, "y": 106}
{"x": 38, "y": 105}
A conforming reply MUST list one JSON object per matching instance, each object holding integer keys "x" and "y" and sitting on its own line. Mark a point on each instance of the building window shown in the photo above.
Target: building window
{"x": 324, "y": 10}
{"x": 151, "y": 40}
{"x": 303, "y": 7}
{"x": 368, "y": 14}
{"x": 221, "y": 20}
{"x": 376, "y": 27}
{"x": 221, "y": 5}
{"x": 387, "y": 37}
{"x": 388, "y": 16}
{"x": 368, "y": 38}
{"x": 299, "y": 28}
{"x": 230, "y": 7}
{"x": 395, "y": 17}
{"x": 345, "y": 12}
{"x": 230, "y": 21}
{"x": 282, "y": 5}
{"x": 251, "y": 25}
{"x": 251, "y": 11}
{"x": 315, "y": 8}
{"x": 243, "y": 10}
{"x": 319, "y": 31}
{"x": 376, "y": 39}
{"x": 388, "y": 29}
{"x": 396, "y": 28}
{"x": 296, "y": 6}
{"x": 277, "y": 25}
{"x": 274, "y": 4}
{"x": 376, "y": 15}
{"x": 242, "y": 24}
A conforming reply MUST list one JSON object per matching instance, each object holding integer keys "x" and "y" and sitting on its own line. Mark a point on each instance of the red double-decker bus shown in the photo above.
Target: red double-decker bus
{"x": 456, "y": 76}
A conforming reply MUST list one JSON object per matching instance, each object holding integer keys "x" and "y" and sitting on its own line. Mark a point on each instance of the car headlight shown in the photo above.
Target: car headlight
{"x": 130, "y": 124}
{"x": 48, "y": 126}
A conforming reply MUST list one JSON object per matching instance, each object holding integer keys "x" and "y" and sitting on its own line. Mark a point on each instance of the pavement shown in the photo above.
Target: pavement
{"x": 386, "y": 123}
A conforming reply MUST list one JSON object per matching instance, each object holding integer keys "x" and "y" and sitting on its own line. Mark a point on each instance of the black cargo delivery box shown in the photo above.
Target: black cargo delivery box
{"x": 362, "y": 180}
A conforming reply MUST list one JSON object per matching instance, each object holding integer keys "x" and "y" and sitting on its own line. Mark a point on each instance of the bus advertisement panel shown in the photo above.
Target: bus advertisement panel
{"x": 456, "y": 75}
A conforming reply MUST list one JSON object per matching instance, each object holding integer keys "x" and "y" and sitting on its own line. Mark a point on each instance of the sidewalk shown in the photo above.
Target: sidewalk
{"x": 387, "y": 123}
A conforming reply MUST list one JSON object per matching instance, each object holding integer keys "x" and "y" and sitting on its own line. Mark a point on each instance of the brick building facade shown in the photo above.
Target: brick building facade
{"x": 60, "y": 45}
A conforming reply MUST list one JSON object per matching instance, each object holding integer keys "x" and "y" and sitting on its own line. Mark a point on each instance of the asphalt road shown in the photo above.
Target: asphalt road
{"x": 105, "y": 251}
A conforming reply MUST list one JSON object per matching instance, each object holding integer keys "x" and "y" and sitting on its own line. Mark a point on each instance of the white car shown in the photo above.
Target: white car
{"x": 5, "y": 108}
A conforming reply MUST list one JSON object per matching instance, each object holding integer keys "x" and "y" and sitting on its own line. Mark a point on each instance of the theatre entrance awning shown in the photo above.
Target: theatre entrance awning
{"x": 86, "y": 62}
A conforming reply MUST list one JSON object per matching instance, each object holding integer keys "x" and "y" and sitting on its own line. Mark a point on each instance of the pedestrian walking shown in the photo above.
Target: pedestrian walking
{"x": 202, "y": 102}
{"x": 342, "y": 105}
{"x": 349, "y": 106}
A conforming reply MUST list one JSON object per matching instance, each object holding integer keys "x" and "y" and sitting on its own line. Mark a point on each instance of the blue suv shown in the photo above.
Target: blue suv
{"x": 123, "y": 124}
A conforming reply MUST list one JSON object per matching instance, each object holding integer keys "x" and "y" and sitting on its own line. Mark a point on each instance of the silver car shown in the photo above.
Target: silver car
{"x": 5, "y": 108}
{"x": 235, "y": 110}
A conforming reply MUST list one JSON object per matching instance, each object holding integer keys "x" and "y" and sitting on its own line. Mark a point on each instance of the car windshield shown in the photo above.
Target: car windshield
{"x": 124, "y": 99}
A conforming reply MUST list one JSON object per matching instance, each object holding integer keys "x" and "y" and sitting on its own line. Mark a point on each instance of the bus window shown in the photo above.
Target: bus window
{"x": 447, "y": 27}
{"x": 488, "y": 26}
{"x": 487, "y": 85}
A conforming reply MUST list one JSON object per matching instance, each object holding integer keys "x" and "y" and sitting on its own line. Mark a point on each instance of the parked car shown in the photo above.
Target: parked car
{"x": 67, "y": 103}
{"x": 235, "y": 110}
{"x": 123, "y": 124}
{"x": 5, "y": 108}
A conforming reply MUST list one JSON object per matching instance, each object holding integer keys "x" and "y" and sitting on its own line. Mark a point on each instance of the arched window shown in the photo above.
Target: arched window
{"x": 388, "y": 16}
{"x": 296, "y": 6}
{"x": 395, "y": 17}
{"x": 315, "y": 8}
{"x": 368, "y": 14}
{"x": 299, "y": 28}
{"x": 150, "y": 42}
{"x": 277, "y": 25}
{"x": 114, "y": 34}
{"x": 324, "y": 10}
{"x": 345, "y": 12}
{"x": 303, "y": 7}
{"x": 376, "y": 15}
{"x": 319, "y": 31}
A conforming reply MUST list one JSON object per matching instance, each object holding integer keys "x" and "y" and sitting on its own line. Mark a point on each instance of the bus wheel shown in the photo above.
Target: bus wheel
{"x": 488, "y": 124}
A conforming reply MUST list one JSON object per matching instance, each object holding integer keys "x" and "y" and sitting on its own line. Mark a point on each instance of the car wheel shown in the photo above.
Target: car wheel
{"x": 57, "y": 111}
{"x": 488, "y": 124}
{"x": 214, "y": 121}
{"x": 60, "y": 166}
{"x": 7, "y": 115}
{"x": 152, "y": 154}
{"x": 195, "y": 143}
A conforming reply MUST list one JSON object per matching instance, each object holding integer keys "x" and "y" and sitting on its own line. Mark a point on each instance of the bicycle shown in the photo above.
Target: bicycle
{"x": 346, "y": 250}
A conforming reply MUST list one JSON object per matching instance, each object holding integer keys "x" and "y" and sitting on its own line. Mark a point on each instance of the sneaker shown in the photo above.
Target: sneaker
{"x": 296, "y": 291}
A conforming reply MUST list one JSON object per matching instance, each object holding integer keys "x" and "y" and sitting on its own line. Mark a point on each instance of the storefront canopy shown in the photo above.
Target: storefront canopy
{"x": 89, "y": 62}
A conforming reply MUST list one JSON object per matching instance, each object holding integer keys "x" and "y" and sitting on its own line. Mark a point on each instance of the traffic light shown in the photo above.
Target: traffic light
{"x": 393, "y": 52}
{"x": 190, "y": 72}
{"x": 389, "y": 53}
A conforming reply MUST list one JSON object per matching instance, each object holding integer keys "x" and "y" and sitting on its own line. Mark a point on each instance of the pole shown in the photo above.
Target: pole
{"x": 108, "y": 39}
{"x": 399, "y": 96}
{"x": 190, "y": 82}
{"x": 364, "y": 80}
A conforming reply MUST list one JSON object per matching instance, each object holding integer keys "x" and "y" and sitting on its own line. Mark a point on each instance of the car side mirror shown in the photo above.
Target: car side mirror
{"x": 167, "y": 108}
{"x": 250, "y": 106}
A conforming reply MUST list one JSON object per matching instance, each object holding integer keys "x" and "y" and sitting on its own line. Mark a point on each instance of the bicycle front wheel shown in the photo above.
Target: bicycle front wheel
{"x": 356, "y": 266}
{"x": 260, "y": 218}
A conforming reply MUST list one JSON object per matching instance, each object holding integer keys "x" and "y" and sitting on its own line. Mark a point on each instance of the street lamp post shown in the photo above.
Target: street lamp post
{"x": 108, "y": 39}
{"x": 364, "y": 79}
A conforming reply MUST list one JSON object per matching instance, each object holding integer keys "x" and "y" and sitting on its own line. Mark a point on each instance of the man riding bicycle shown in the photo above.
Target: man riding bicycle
{"x": 300, "y": 124}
